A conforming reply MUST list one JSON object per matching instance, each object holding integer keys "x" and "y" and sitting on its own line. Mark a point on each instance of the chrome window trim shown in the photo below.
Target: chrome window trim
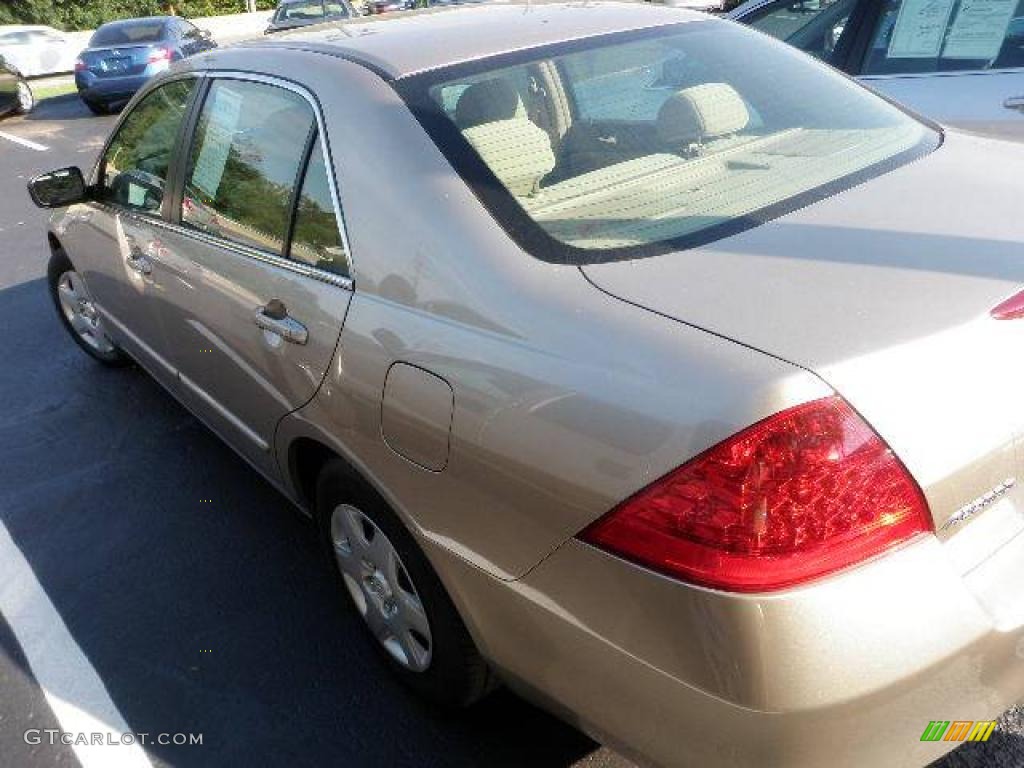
{"x": 325, "y": 146}
{"x": 273, "y": 259}
{"x": 945, "y": 73}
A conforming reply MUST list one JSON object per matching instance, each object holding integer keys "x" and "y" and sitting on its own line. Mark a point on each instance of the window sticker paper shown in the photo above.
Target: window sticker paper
{"x": 919, "y": 29}
{"x": 979, "y": 29}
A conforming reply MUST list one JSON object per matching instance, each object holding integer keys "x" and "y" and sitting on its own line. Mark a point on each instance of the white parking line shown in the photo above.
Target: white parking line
{"x": 72, "y": 688}
{"x": 23, "y": 142}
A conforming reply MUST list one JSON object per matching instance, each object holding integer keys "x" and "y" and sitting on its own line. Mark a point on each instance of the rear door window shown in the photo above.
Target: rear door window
{"x": 135, "y": 167}
{"x": 926, "y": 36}
{"x": 245, "y": 158}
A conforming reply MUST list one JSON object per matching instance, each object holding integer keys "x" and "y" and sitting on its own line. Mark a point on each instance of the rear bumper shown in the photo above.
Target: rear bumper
{"x": 846, "y": 672}
{"x": 110, "y": 89}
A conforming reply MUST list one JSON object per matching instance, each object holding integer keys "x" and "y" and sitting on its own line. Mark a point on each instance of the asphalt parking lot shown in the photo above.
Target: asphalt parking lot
{"x": 192, "y": 588}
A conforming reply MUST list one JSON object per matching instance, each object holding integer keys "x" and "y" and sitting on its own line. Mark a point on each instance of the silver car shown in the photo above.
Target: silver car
{"x": 680, "y": 393}
{"x": 960, "y": 63}
{"x": 37, "y": 50}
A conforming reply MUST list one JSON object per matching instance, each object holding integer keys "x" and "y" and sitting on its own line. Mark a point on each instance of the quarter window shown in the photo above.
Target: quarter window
{"x": 914, "y": 36}
{"x": 316, "y": 239}
{"x": 249, "y": 147}
{"x": 137, "y": 160}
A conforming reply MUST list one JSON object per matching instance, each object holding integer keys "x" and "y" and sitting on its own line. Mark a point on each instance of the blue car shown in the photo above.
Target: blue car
{"x": 123, "y": 55}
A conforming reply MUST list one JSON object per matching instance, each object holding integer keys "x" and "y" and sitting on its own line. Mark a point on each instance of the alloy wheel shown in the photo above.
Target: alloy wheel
{"x": 381, "y": 587}
{"x": 80, "y": 312}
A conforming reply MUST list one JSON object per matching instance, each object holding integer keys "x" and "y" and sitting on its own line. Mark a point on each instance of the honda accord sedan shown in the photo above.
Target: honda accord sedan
{"x": 683, "y": 397}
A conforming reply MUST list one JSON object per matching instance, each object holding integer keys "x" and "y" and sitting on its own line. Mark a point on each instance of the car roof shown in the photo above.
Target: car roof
{"x": 416, "y": 41}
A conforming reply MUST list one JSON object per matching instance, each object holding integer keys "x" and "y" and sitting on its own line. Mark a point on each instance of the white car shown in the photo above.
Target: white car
{"x": 959, "y": 63}
{"x": 36, "y": 50}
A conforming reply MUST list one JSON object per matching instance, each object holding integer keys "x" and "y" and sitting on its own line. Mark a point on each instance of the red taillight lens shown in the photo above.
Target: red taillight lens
{"x": 79, "y": 65}
{"x": 159, "y": 54}
{"x": 1011, "y": 309}
{"x": 805, "y": 492}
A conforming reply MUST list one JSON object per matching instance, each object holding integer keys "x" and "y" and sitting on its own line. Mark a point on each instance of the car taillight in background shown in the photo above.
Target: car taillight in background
{"x": 801, "y": 494}
{"x": 80, "y": 65}
{"x": 159, "y": 54}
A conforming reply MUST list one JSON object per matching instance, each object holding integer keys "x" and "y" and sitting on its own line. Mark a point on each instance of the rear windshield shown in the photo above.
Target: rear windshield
{"x": 303, "y": 11}
{"x": 128, "y": 34}
{"x": 643, "y": 142}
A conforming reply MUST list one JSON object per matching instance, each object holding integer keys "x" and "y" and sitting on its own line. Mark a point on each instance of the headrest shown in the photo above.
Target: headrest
{"x": 485, "y": 102}
{"x": 517, "y": 152}
{"x": 694, "y": 115}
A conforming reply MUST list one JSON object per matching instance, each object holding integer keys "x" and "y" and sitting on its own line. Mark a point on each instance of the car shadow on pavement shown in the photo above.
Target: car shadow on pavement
{"x": 59, "y": 108}
{"x": 197, "y": 593}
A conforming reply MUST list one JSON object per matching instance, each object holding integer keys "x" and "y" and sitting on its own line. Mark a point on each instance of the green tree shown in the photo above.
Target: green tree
{"x": 74, "y": 14}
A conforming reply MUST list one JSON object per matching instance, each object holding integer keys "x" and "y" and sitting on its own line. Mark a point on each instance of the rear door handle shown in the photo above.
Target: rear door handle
{"x": 1015, "y": 102}
{"x": 274, "y": 318}
{"x": 137, "y": 260}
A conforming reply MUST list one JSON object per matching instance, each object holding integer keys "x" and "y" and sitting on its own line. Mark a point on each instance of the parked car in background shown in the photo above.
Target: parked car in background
{"x": 708, "y": 6}
{"x": 685, "y": 398}
{"x": 15, "y": 93}
{"x": 292, "y": 14}
{"x": 961, "y": 64}
{"x": 123, "y": 55}
{"x": 37, "y": 50}
{"x": 377, "y": 7}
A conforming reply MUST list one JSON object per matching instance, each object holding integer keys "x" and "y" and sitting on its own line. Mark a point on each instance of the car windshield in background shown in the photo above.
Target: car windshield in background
{"x": 128, "y": 34}
{"x": 302, "y": 11}
{"x": 644, "y": 142}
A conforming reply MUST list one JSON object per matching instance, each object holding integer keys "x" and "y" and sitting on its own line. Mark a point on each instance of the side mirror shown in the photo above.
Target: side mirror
{"x": 58, "y": 189}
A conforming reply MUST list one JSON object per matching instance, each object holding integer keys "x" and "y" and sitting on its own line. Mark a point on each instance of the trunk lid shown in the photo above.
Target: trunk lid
{"x": 121, "y": 60}
{"x": 884, "y": 291}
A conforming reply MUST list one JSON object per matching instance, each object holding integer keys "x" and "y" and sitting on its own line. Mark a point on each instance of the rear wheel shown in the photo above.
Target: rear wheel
{"x": 78, "y": 314}
{"x": 393, "y": 588}
{"x": 97, "y": 107}
{"x": 26, "y": 99}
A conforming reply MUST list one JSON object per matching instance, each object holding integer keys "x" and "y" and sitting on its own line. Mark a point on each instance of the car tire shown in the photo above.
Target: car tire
{"x": 455, "y": 674}
{"x": 26, "y": 99}
{"x": 77, "y": 313}
{"x": 96, "y": 107}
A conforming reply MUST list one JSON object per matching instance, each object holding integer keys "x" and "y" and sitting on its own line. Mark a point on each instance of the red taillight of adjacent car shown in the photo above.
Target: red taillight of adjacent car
{"x": 804, "y": 493}
{"x": 159, "y": 54}
{"x": 80, "y": 65}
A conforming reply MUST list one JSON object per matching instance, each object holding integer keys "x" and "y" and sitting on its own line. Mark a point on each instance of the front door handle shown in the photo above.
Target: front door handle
{"x": 274, "y": 318}
{"x": 1015, "y": 102}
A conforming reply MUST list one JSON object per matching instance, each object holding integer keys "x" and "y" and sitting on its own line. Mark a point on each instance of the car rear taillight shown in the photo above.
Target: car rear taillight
{"x": 159, "y": 54}
{"x": 1011, "y": 309}
{"x": 80, "y": 65}
{"x": 804, "y": 493}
